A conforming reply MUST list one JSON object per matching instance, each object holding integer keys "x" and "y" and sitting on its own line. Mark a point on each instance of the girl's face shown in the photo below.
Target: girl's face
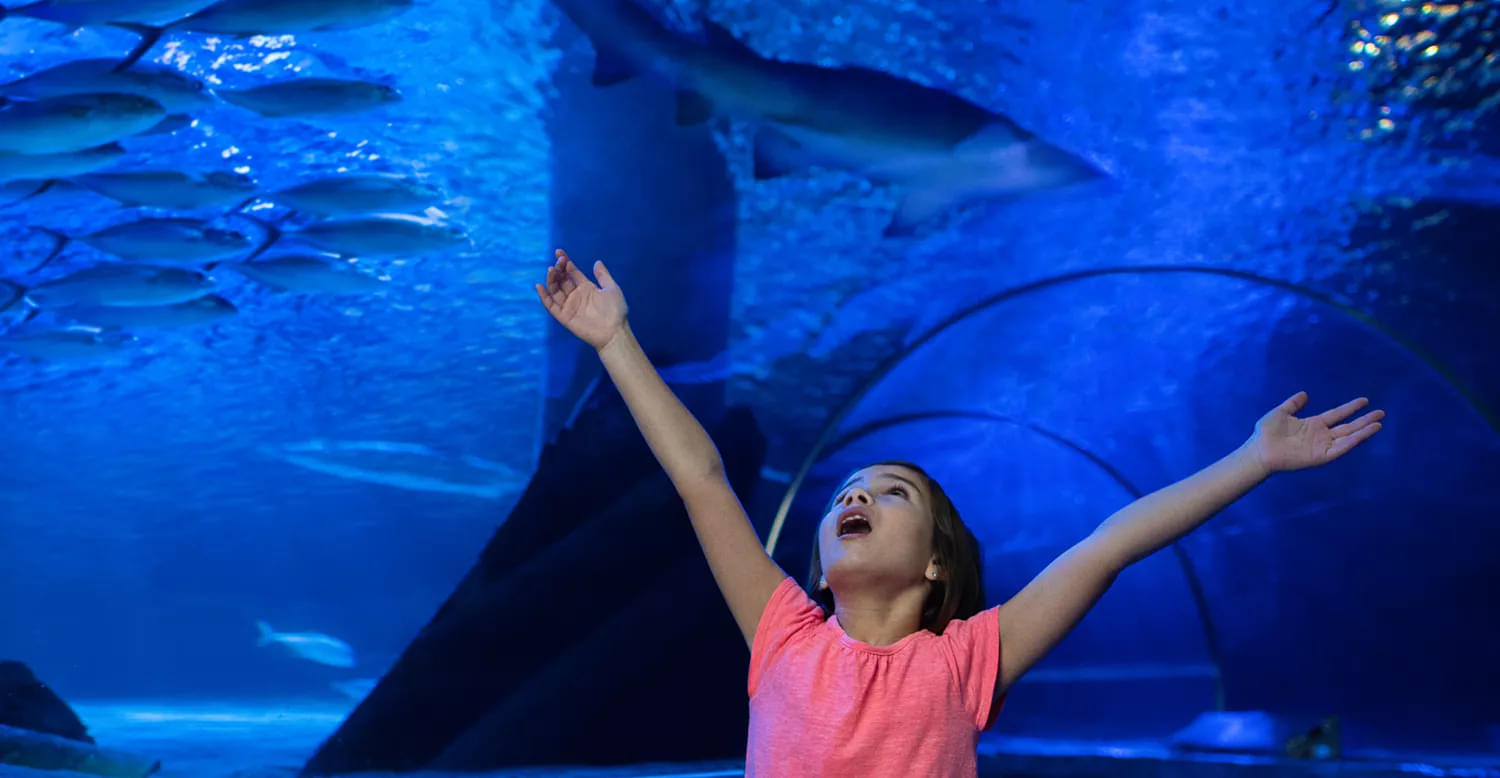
{"x": 878, "y": 532}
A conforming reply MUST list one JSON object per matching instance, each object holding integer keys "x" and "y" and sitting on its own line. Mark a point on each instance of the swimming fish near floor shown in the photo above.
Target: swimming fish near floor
{"x": 942, "y": 150}
{"x": 114, "y": 284}
{"x": 355, "y": 194}
{"x": 170, "y": 189}
{"x": 66, "y": 345}
{"x": 376, "y": 235}
{"x": 42, "y": 168}
{"x": 192, "y": 313}
{"x": 402, "y": 465}
{"x": 312, "y": 97}
{"x": 167, "y": 240}
{"x": 174, "y": 90}
{"x": 74, "y": 122}
{"x": 307, "y": 274}
{"x": 248, "y": 18}
{"x": 312, "y": 646}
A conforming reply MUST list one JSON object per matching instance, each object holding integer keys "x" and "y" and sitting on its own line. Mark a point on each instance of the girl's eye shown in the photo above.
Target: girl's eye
{"x": 901, "y": 490}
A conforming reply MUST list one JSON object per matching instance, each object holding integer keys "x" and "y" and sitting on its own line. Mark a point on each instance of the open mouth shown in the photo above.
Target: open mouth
{"x": 853, "y": 524}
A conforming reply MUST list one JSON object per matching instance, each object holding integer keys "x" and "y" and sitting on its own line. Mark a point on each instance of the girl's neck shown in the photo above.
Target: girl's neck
{"x": 880, "y": 620}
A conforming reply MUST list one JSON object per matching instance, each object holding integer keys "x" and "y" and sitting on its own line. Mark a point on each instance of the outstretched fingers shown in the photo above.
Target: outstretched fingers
{"x": 1363, "y": 422}
{"x": 548, "y": 301}
{"x": 1343, "y": 444}
{"x": 1336, "y": 415}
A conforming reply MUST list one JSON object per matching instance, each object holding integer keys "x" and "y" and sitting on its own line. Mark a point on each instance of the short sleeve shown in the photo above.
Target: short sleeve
{"x": 973, "y": 646}
{"x": 788, "y": 614}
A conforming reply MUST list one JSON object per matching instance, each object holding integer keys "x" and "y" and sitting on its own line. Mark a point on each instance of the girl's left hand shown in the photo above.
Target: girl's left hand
{"x": 1284, "y": 442}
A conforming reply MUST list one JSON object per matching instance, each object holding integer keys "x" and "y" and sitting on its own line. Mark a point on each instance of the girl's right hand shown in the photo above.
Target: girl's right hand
{"x": 596, "y": 314}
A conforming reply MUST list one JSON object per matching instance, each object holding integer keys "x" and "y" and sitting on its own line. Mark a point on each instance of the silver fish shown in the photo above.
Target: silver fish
{"x": 247, "y": 18}
{"x": 269, "y": 17}
{"x": 308, "y": 275}
{"x": 311, "y": 97}
{"x": 174, "y": 240}
{"x": 14, "y": 167}
{"x": 192, "y": 313}
{"x": 74, "y": 122}
{"x": 177, "y": 92}
{"x": 85, "y": 13}
{"x": 170, "y": 188}
{"x": 378, "y": 235}
{"x": 116, "y": 284}
{"x": 312, "y": 646}
{"x": 942, "y": 150}
{"x": 358, "y": 193}
{"x": 66, "y": 345}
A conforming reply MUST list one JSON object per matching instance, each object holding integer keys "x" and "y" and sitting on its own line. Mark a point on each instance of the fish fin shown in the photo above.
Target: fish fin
{"x": 267, "y": 635}
{"x": 776, "y": 154}
{"x": 920, "y": 204}
{"x": 41, "y": 189}
{"x": 611, "y": 67}
{"x": 149, "y": 36}
{"x": 718, "y": 37}
{"x": 243, "y": 205}
{"x": 61, "y": 242}
{"x": 692, "y": 108}
{"x": 273, "y": 234}
{"x": 14, "y": 293}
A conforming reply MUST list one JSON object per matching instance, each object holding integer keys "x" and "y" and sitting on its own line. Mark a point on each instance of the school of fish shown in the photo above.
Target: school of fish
{"x": 68, "y": 128}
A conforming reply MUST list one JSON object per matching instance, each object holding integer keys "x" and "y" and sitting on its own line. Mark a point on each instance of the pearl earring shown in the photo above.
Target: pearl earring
{"x": 932, "y": 574}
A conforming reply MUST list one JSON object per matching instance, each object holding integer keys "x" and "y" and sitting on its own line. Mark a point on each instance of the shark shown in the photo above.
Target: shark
{"x": 942, "y": 150}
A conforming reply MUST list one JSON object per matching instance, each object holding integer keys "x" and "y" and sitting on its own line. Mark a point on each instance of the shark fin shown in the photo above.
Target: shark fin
{"x": 692, "y": 108}
{"x": 920, "y": 203}
{"x": 776, "y": 154}
{"x": 721, "y": 39}
{"x": 611, "y": 67}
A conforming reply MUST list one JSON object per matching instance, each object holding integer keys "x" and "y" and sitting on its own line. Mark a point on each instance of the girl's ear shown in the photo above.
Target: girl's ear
{"x": 822, "y": 584}
{"x": 934, "y": 570}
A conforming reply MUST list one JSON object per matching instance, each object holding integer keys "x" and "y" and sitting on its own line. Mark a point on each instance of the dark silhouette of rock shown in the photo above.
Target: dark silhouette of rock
{"x": 27, "y": 703}
{"x": 590, "y": 630}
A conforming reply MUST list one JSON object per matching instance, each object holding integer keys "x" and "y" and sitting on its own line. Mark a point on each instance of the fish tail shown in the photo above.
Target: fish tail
{"x": 12, "y": 293}
{"x": 60, "y": 242}
{"x": 267, "y": 635}
{"x": 41, "y": 189}
{"x": 149, "y": 36}
{"x": 273, "y": 234}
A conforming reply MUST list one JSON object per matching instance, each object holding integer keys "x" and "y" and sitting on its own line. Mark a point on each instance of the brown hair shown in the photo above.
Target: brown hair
{"x": 960, "y": 595}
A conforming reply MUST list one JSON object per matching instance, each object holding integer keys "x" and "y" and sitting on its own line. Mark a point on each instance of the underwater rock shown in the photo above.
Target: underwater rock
{"x": 590, "y": 628}
{"x": 40, "y": 731}
{"x": 41, "y": 751}
{"x": 27, "y": 703}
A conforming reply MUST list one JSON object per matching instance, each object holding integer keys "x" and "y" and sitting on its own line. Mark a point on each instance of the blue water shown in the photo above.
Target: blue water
{"x": 150, "y": 514}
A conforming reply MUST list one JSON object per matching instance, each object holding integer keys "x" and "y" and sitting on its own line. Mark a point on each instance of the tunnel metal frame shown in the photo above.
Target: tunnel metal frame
{"x": 825, "y": 437}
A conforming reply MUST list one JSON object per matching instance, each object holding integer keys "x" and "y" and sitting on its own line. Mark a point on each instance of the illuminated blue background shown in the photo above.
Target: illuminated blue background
{"x": 1284, "y": 215}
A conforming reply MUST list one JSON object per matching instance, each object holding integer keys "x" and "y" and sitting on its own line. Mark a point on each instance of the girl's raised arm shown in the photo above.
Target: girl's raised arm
{"x": 746, "y": 575}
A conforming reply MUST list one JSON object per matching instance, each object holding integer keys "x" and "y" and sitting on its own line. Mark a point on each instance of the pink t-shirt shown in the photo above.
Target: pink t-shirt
{"x": 825, "y": 704}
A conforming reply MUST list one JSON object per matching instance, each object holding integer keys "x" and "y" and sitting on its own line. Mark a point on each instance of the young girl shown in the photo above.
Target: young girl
{"x": 894, "y": 669}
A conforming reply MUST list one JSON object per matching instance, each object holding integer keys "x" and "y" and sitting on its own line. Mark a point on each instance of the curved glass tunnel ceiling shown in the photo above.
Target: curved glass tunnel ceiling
{"x": 1044, "y": 413}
